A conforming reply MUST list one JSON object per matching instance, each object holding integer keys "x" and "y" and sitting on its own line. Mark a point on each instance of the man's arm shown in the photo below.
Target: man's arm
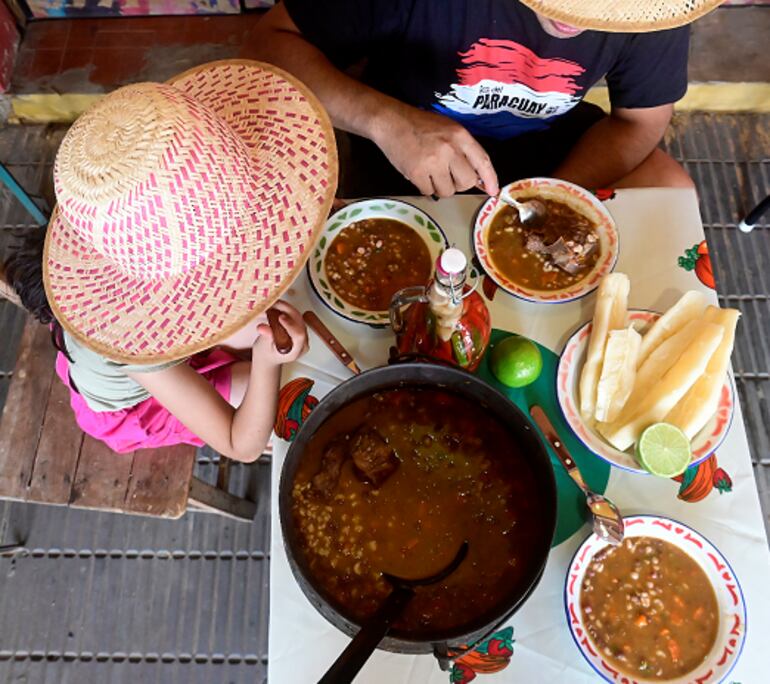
{"x": 435, "y": 153}
{"x": 615, "y": 146}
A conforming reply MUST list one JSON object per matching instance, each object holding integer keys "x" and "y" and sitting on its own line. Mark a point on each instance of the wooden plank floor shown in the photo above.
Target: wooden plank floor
{"x": 44, "y": 456}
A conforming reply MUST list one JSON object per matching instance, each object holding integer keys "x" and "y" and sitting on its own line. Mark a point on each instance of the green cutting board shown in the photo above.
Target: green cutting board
{"x": 572, "y": 511}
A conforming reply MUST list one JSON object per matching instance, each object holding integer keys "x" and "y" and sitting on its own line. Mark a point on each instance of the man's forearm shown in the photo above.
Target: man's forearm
{"x": 352, "y": 106}
{"x": 438, "y": 155}
{"x": 608, "y": 151}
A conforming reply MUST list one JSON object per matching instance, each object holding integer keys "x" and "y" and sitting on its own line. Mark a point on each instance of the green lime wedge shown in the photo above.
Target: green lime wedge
{"x": 664, "y": 450}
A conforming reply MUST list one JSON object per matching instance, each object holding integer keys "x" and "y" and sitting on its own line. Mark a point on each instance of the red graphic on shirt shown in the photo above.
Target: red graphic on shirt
{"x": 507, "y": 62}
{"x": 500, "y": 78}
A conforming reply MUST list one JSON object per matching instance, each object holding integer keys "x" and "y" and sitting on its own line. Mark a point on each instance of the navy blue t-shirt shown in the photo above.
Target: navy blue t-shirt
{"x": 488, "y": 63}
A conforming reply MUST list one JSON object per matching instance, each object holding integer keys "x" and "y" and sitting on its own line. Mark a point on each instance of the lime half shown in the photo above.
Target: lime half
{"x": 664, "y": 450}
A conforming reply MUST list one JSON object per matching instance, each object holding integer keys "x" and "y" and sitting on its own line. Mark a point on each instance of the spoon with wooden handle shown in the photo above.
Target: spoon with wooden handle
{"x": 281, "y": 338}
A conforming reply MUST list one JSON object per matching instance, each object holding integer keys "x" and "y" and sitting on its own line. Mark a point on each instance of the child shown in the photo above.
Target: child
{"x": 170, "y": 238}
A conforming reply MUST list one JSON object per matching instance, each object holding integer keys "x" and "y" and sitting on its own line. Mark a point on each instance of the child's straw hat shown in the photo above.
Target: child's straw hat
{"x": 185, "y": 209}
{"x": 623, "y": 16}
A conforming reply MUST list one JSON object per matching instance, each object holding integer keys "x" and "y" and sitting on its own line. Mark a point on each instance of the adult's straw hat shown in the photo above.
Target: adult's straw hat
{"x": 623, "y": 16}
{"x": 185, "y": 209}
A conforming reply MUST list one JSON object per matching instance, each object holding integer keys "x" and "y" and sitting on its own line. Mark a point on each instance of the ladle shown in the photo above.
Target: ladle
{"x": 358, "y": 651}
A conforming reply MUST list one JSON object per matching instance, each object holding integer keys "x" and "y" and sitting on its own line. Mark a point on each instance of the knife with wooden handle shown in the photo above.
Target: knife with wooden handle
{"x": 315, "y": 323}
{"x": 557, "y": 444}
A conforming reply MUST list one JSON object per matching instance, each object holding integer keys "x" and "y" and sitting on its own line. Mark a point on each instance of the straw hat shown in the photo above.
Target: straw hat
{"x": 185, "y": 209}
{"x": 623, "y": 16}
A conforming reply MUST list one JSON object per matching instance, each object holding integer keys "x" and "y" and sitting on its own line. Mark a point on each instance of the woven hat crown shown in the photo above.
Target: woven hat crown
{"x": 154, "y": 180}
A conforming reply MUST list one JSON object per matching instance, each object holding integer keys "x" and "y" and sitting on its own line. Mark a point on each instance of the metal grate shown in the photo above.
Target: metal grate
{"x": 157, "y": 600}
{"x": 100, "y": 597}
{"x": 728, "y": 156}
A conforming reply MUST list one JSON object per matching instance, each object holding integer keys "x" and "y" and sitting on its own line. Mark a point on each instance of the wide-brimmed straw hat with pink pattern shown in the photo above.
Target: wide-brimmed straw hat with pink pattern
{"x": 185, "y": 209}
{"x": 624, "y": 16}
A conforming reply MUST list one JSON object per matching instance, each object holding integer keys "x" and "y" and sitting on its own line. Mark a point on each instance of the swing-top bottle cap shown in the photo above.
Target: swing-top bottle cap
{"x": 452, "y": 262}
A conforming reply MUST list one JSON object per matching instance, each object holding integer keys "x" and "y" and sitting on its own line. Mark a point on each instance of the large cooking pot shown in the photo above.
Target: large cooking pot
{"x": 462, "y": 383}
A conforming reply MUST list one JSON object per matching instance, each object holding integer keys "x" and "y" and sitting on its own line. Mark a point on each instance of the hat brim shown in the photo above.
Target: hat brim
{"x": 134, "y": 321}
{"x": 623, "y": 16}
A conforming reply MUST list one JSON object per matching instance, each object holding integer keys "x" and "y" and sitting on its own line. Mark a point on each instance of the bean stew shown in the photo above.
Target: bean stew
{"x": 554, "y": 253}
{"x": 649, "y": 608}
{"x": 395, "y": 482}
{"x": 371, "y": 260}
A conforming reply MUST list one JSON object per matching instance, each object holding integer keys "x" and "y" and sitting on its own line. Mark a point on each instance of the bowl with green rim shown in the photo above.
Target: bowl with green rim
{"x": 416, "y": 219}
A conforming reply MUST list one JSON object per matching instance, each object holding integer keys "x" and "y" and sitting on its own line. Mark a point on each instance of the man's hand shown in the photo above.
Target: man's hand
{"x": 436, "y": 154}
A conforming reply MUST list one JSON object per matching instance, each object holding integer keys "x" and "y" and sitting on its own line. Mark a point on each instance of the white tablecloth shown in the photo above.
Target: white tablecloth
{"x": 655, "y": 226}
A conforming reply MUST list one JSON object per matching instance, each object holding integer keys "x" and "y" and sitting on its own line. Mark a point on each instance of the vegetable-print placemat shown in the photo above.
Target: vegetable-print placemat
{"x": 572, "y": 511}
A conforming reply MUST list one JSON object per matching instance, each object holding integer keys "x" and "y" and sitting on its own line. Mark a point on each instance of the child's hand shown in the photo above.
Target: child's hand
{"x": 264, "y": 349}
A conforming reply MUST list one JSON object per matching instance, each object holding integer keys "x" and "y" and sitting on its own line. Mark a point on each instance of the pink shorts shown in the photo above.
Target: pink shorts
{"x": 148, "y": 425}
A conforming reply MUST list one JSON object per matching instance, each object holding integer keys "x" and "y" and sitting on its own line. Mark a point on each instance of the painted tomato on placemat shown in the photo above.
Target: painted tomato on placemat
{"x": 697, "y": 259}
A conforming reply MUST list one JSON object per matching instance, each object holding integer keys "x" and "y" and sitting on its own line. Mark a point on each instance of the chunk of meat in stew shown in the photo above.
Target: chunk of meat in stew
{"x": 374, "y": 460}
{"x": 550, "y": 255}
{"x": 570, "y": 258}
{"x": 565, "y": 257}
{"x": 334, "y": 456}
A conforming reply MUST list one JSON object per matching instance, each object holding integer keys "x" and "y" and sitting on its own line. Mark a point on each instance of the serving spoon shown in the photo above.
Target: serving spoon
{"x": 608, "y": 522}
{"x": 358, "y": 651}
{"x": 530, "y": 211}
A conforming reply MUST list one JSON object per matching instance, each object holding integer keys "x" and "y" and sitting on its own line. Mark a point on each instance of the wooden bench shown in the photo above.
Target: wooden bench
{"x": 46, "y": 458}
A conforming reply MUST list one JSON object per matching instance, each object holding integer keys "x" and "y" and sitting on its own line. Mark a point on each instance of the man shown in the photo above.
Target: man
{"x": 458, "y": 94}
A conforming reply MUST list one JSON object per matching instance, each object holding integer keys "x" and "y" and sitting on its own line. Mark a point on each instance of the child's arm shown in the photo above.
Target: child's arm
{"x": 242, "y": 433}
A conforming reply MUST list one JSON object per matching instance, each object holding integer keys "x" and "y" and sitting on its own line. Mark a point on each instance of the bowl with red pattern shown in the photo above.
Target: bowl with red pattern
{"x": 703, "y": 444}
{"x": 731, "y": 606}
{"x": 576, "y": 198}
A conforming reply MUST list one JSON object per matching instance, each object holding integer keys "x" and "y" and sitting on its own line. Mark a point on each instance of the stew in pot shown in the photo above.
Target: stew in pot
{"x": 394, "y": 483}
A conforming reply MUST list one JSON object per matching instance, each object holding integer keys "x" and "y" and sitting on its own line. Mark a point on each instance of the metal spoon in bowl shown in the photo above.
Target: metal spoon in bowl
{"x": 530, "y": 211}
{"x": 608, "y": 522}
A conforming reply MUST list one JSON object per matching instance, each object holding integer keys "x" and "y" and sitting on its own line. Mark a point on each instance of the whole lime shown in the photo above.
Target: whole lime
{"x": 516, "y": 361}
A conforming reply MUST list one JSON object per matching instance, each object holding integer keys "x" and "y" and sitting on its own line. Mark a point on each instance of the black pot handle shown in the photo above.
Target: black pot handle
{"x": 445, "y": 655}
{"x": 358, "y": 651}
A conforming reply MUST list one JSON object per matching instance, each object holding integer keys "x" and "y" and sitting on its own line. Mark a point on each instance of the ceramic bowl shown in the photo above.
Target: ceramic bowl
{"x": 578, "y": 199}
{"x": 415, "y": 218}
{"x": 731, "y": 633}
{"x": 567, "y": 380}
